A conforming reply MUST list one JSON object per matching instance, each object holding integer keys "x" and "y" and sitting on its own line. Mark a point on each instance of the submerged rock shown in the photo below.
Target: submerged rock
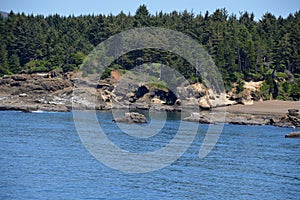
{"x": 293, "y": 135}
{"x": 132, "y": 117}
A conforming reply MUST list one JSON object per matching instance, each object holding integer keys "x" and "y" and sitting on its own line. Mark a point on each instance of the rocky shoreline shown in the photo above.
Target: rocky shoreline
{"x": 53, "y": 92}
{"x": 205, "y": 117}
{"x": 281, "y": 120}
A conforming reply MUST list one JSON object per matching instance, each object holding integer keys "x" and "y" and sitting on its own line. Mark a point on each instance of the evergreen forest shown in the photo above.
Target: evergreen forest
{"x": 243, "y": 49}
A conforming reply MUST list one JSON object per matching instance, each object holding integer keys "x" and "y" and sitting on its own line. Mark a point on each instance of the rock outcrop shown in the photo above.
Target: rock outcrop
{"x": 248, "y": 95}
{"x": 47, "y": 90}
{"x": 206, "y": 99}
{"x": 132, "y": 117}
{"x": 230, "y": 118}
{"x": 41, "y": 91}
{"x": 54, "y": 91}
{"x": 291, "y": 119}
{"x": 293, "y": 135}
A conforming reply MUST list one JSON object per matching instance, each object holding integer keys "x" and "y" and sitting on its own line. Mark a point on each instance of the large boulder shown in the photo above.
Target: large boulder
{"x": 206, "y": 117}
{"x": 293, "y": 112}
{"x": 132, "y": 117}
{"x": 204, "y": 103}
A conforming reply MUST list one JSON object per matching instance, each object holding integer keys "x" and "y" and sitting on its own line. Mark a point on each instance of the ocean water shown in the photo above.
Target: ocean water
{"x": 42, "y": 157}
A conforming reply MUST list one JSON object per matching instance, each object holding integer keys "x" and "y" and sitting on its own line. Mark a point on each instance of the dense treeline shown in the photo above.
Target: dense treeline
{"x": 242, "y": 48}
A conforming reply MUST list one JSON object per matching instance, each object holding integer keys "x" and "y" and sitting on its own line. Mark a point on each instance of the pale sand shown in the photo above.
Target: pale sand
{"x": 263, "y": 107}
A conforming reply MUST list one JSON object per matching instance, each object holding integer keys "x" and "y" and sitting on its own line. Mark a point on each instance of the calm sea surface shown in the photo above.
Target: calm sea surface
{"x": 42, "y": 157}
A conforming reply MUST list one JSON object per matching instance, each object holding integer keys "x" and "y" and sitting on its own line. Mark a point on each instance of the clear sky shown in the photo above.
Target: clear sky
{"x": 77, "y": 7}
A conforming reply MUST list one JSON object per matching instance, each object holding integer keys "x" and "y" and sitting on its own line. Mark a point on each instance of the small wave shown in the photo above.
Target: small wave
{"x": 43, "y": 111}
{"x": 38, "y": 111}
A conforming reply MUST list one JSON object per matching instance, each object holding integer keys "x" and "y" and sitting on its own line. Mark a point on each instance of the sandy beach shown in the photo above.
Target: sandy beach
{"x": 263, "y": 107}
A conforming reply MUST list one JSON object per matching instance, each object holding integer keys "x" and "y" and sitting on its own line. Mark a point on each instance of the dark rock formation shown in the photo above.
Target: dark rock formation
{"x": 286, "y": 120}
{"x": 230, "y": 118}
{"x": 293, "y": 112}
{"x": 132, "y": 117}
{"x": 293, "y": 135}
{"x": 141, "y": 91}
{"x": 292, "y": 119}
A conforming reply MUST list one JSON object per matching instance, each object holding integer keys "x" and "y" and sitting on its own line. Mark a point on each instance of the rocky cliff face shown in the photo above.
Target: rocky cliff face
{"x": 49, "y": 91}
{"x": 53, "y": 91}
{"x": 205, "y": 98}
{"x": 248, "y": 95}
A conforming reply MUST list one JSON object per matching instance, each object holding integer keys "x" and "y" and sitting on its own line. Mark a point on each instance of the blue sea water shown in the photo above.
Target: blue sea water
{"x": 42, "y": 157}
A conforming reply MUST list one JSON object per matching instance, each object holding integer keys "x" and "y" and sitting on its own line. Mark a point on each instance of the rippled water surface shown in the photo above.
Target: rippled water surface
{"x": 42, "y": 157}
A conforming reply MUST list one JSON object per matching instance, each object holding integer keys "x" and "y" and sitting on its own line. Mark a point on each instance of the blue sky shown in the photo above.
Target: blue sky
{"x": 77, "y": 7}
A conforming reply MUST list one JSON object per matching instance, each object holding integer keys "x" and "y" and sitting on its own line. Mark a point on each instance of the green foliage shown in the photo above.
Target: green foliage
{"x": 34, "y": 66}
{"x": 69, "y": 67}
{"x": 295, "y": 90}
{"x": 240, "y": 86}
{"x": 4, "y": 71}
{"x": 284, "y": 91}
{"x": 77, "y": 58}
{"x": 159, "y": 85}
{"x": 254, "y": 77}
{"x": 265, "y": 91}
{"x": 282, "y": 75}
{"x": 14, "y": 64}
{"x": 106, "y": 73}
